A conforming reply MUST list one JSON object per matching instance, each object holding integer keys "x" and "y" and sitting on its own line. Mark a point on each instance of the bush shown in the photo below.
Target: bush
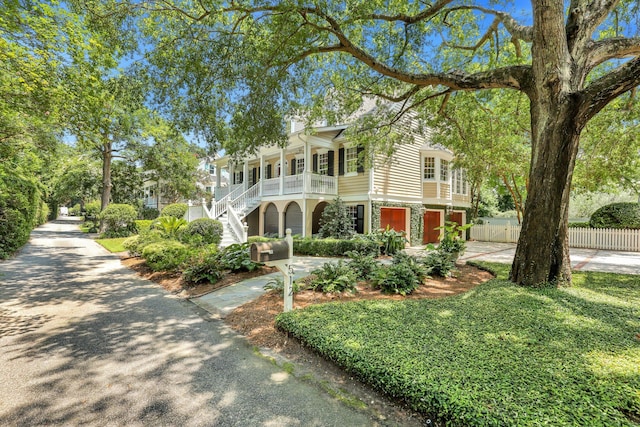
{"x": 336, "y": 221}
{"x": 617, "y": 215}
{"x": 364, "y": 266}
{"x": 92, "y": 209}
{"x": 75, "y": 210}
{"x": 135, "y": 244}
{"x": 165, "y": 255}
{"x": 118, "y": 220}
{"x": 176, "y": 210}
{"x": 579, "y": 225}
{"x": 277, "y": 284}
{"x": 143, "y": 224}
{"x": 210, "y": 230}
{"x": 389, "y": 240}
{"x": 396, "y": 279}
{"x": 237, "y": 257}
{"x": 438, "y": 263}
{"x": 334, "y": 277}
{"x": 204, "y": 266}
{"x": 414, "y": 263}
{"x": 169, "y": 225}
{"x": 149, "y": 213}
{"x": 334, "y": 247}
{"x": 19, "y": 204}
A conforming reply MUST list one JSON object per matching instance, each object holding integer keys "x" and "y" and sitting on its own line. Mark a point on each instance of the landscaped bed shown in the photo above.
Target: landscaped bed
{"x": 496, "y": 355}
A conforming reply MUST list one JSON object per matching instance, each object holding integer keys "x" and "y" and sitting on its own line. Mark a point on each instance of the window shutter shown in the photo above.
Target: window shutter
{"x": 259, "y": 173}
{"x": 293, "y": 166}
{"x": 269, "y": 171}
{"x": 360, "y": 219}
{"x": 330, "y": 159}
{"x": 241, "y": 178}
{"x": 315, "y": 163}
{"x": 360, "y": 160}
{"x": 341, "y": 161}
{"x": 254, "y": 175}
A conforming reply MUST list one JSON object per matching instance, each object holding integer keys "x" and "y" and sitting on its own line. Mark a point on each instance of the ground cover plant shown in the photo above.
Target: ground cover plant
{"x": 499, "y": 354}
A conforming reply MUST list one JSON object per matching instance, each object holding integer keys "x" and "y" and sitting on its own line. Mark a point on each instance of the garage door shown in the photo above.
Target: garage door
{"x": 431, "y": 221}
{"x": 395, "y": 218}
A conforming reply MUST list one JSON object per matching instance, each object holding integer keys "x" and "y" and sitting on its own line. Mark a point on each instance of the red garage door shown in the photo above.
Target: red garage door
{"x": 457, "y": 218}
{"x": 431, "y": 221}
{"x": 395, "y": 218}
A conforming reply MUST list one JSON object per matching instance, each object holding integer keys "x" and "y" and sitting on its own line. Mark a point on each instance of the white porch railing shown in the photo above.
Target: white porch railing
{"x": 593, "y": 238}
{"x": 293, "y": 184}
{"x": 271, "y": 187}
{"x": 237, "y": 227}
{"x": 321, "y": 184}
{"x": 246, "y": 200}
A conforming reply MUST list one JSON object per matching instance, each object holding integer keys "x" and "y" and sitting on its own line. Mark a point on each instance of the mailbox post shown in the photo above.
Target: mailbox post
{"x": 279, "y": 255}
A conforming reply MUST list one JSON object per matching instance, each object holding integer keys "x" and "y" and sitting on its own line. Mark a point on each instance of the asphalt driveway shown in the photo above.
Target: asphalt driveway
{"x": 84, "y": 341}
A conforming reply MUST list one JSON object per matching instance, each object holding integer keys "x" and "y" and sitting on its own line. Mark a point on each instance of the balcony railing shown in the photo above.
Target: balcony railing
{"x": 311, "y": 183}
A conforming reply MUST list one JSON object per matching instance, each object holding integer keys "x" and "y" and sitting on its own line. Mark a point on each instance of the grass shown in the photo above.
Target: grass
{"x": 497, "y": 355}
{"x": 113, "y": 245}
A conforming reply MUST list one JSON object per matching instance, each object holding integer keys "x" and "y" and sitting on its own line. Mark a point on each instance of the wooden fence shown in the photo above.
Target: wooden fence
{"x": 593, "y": 238}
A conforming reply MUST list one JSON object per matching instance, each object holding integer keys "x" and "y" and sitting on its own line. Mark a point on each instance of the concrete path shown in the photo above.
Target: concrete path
{"x": 83, "y": 341}
{"x": 581, "y": 259}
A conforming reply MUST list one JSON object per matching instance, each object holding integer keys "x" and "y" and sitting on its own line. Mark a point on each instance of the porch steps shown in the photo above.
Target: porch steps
{"x": 228, "y": 238}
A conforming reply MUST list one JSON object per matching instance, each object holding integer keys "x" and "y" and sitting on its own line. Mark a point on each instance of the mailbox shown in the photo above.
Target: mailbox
{"x": 269, "y": 251}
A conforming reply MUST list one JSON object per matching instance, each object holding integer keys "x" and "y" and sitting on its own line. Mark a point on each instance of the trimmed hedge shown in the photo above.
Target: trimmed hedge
{"x": 165, "y": 255}
{"x": 176, "y": 210}
{"x": 210, "y": 230}
{"x": 119, "y": 220}
{"x": 334, "y": 247}
{"x": 499, "y": 355}
{"x": 21, "y": 209}
{"x": 617, "y": 215}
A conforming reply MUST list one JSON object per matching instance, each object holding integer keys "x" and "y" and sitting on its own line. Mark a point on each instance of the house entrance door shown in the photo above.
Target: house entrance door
{"x": 431, "y": 221}
{"x": 457, "y": 218}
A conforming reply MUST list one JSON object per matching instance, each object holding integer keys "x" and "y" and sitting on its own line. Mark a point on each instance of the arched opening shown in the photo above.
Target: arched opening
{"x": 317, "y": 214}
{"x": 293, "y": 218}
{"x": 271, "y": 220}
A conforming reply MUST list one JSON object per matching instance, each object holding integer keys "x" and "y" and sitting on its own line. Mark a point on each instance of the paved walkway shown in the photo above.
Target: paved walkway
{"x": 222, "y": 302}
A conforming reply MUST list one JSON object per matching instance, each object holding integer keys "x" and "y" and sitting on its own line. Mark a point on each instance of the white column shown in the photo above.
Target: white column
{"x": 283, "y": 171}
{"x": 245, "y": 173}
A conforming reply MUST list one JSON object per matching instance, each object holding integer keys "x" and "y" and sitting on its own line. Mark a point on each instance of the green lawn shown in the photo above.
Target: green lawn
{"x": 113, "y": 245}
{"x": 497, "y": 355}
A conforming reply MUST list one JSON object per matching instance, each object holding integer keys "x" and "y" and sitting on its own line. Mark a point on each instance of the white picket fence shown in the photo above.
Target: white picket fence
{"x": 593, "y": 238}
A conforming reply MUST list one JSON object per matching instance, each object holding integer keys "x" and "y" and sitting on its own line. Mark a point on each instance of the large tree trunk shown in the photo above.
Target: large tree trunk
{"x": 542, "y": 254}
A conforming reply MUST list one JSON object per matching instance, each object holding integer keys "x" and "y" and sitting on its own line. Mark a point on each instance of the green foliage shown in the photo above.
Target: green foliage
{"x": 277, "y": 284}
{"x": 169, "y": 225}
{"x": 210, "y": 230}
{"x": 364, "y": 265}
{"x": 204, "y": 266}
{"x": 389, "y": 240}
{"x": 135, "y": 244}
{"x": 113, "y": 245}
{"x": 336, "y": 221}
{"x": 500, "y": 354}
{"x": 438, "y": 263}
{"x": 165, "y": 255}
{"x": 451, "y": 240}
{"x": 334, "y": 277}
{"x": 579, "y": 225}
{"x": 237, "y": 257}
{"x": 92, "y": 209}
{"x": 20, "y": 202}
{"x": 176, "y": 210}
{"x": 118, "y": 220}
{"x": 149, "y": 213}
{"x": 143, "y": 224}
{"x": 617, "y": 215}
{"x": 334, "y": 247}
{"x": 402, "y": 277}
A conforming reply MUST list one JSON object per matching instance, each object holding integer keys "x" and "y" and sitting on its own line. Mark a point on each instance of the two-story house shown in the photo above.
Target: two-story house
{"x": 414, "y": 190}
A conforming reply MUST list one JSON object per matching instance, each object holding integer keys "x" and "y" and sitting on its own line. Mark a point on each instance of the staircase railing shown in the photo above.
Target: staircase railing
{"x": 237, "y": 227}
{"x": 220, "y": 206}
{"x": 246, "y": 200}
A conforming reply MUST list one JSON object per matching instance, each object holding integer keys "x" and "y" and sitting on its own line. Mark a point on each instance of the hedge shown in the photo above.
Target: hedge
{"x": 617, "y": 215}
{"x": 176, "y": 210}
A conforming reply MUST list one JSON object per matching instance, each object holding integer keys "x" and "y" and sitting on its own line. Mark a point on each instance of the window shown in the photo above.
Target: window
{"x": 357, "y": 217}
{"x": 463, "y": 178}
{"x": 351, "y": 160}
{"x": 444, "y": 170}
{"x": 323, "y": 163}
{"x": 237, "y": 177}
{"x": 429, "y": 168}
{"x": 299, "y": 166}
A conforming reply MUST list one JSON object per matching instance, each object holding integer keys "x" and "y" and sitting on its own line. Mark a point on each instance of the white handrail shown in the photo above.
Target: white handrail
{"x": 220, "y": 206}
{"x": 245, "y": 200}
{"x": 237, "y": 227}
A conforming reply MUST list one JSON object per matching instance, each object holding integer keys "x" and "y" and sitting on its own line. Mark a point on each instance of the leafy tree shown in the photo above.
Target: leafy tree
{"x": 76, "y": 180}
{"x": 127, "y": 182}
{"x": 336, "y": 221}
{"x": 256, "y": 61}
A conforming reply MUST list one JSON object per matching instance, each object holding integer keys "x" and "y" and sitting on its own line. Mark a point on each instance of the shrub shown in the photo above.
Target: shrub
{"x": 438, "y": 263}
{"x": 336, "y": 221}
{"x": 92, "y": 209}
{"x": 451, "y": 241}
{"x": 176, "y": 210}
{"x": 277, "y": 284}
{"x": 414, "y": 263}
{"x": 131, "y": 244}
{"x": 210, "y": 230}
{"x": 363, "y": 265}
{"x": 75, "y": 210}
{"x": 389, "y": 240}
{"x": 19, "y": 202}
{"x": 143, "y": 225}
{"x": 118, "y": 220}
{"x": 333, "y": 247}
{"x": 617, "y": 215}
{"x": 169, "y": 225}
{"x": 237, "y": 257}
{"x": 334, "y": 277}
{"x": 203, "y": 266}
{"x": 135, "y": 244}
{"x": 149, "y": 213}
{"x": 165, "y": 255}
{"x": 396, "y": 279}
{"x": 579, "y": 225}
